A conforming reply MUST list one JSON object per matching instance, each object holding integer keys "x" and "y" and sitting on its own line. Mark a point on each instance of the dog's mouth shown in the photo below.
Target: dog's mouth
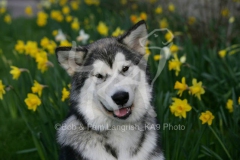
{"x": 122, "y": 113}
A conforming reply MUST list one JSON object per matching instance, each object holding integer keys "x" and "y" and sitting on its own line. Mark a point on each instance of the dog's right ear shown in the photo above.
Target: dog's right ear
{"x": 70, "y": 58}
{"x": 135, "y": 37}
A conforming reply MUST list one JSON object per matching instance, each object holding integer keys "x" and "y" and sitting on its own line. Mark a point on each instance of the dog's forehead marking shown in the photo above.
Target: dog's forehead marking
{"x": 119, "y": 57}
{"x": 120, "y": 61}
{"x": 101, "y": 67}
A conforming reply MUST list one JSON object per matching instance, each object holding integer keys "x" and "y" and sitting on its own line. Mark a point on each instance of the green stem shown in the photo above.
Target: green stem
{"x": 234, "y": 51}
{"x": 215, "y": 134}
{"x": 30, "y": 76}
{"x": 232, "y": 46}
{"x": 37, "y": 144}
{"x": 21, "y": 112}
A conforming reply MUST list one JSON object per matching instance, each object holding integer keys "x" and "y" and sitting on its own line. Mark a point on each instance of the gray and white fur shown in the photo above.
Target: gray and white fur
{"x": 111, "y": 116}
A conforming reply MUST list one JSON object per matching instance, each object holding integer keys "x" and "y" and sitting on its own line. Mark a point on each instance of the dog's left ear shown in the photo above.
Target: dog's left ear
{"x": 134, "y": 37}
{"x": 70, "y": 58}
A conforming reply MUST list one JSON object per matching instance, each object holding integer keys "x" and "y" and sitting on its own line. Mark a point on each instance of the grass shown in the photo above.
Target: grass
{"x": 28, "y": 134}
{"x": 16, "y": 138}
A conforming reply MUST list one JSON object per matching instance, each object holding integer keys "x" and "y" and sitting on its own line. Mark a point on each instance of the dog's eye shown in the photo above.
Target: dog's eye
{"x": 99, "y": 76}
{"x": 125, "y": 68}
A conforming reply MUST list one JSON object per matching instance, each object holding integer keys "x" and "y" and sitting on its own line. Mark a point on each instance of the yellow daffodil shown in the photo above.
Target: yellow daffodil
{"x": 229, "y": 105}
{"x": 42, "y": 18}
{"x": 69, "y": 18}
{"x": 134, "y": 6}
{"x": 206, "y": 117}
{"x": 44, "y": 42}
{"x": 63, "y": 2}
{"x": 159, "y": 10}
{"x": 180, "y": 107}
{"x": 75, "y": 24}
{"x": 174, "y": 64}
{"x": 31, "y": 48}
{"x": 191, "y": 20}
{"x": 28, "y": 11}
{"x": 42, "y": 61}
{"x": 37, "y": 88}
{"x": 102, "y": 28}
{"x": 32, "y": 101}
{"x": 157, "y": 57}
{"x": 196, "y": 89}
{"x": 51, "y": 47}
{"x": 143, "y": 16}
{"x": 123, "y": 2}
{"x": 181, "y": 86}
{"x": 171, "y": 7}
{"x": 134, "y": 18}
{"x": 222, "y": 53}
{"x": 169, "y": 36}
{"x": 2, "y": 10}
{"x": 52, "y": 1}
{"x": 65, "y": 94}
{"x": 239, "y": 100}
{"x": 65, "y": 10}
{"x": 2, "y": 90}
{"x": 92, "y": 2}
{"x": 147, "y": 51}
{"x": 54, "y": 32}
{"x": 74, "y": 5}
{"x": 65, "y": 43}
{"x": 48, "y": 44}
{"x": 16, "y": 72}
{"x": 163, "y": 23}
{"x": 57, "y": 15}
{"x": 20, "y": 46}
{"x": 153, "y": 1}
{"x": 8, "y": 19}
{"x": 117, "y": 32}
{"x": 174, "y": 48}
{"x": 225, "y": 12}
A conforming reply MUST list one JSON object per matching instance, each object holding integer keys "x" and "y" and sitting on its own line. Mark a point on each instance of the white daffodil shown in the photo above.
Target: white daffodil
{"x": 45, "y": 4}
{"x": 60, "y": 36}
{"x": 231, "y": 19}
{"x": 83, "y": 36}
{"x": 166, "y": 52}
{"x": 3, "y": 3}
{"x": 183, "y": 59}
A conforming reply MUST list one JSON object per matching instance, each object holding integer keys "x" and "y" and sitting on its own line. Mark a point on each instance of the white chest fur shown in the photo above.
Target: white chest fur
{"x": 127, "y": 142}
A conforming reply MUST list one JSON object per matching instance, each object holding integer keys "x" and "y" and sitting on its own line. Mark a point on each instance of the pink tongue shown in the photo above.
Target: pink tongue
{"x": 121, "y": 112}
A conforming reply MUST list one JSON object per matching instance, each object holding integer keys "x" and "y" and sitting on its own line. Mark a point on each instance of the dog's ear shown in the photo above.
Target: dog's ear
{"x": 135, "y": 38}
{"x": 70, "y": 58}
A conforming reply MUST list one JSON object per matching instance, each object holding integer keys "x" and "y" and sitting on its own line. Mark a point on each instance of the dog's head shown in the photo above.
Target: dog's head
{"x": 110, "y": 79}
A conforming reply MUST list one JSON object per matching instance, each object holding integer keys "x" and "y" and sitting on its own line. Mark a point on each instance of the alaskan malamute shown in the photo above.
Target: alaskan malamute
{"x": 111, "y": 116}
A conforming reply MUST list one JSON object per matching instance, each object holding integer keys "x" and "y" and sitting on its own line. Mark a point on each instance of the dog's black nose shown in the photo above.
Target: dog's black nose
{"x": 120, "y": 98}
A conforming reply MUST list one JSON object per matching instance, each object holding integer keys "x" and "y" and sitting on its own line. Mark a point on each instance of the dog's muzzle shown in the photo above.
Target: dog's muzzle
{"x": 120, "y": 98}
